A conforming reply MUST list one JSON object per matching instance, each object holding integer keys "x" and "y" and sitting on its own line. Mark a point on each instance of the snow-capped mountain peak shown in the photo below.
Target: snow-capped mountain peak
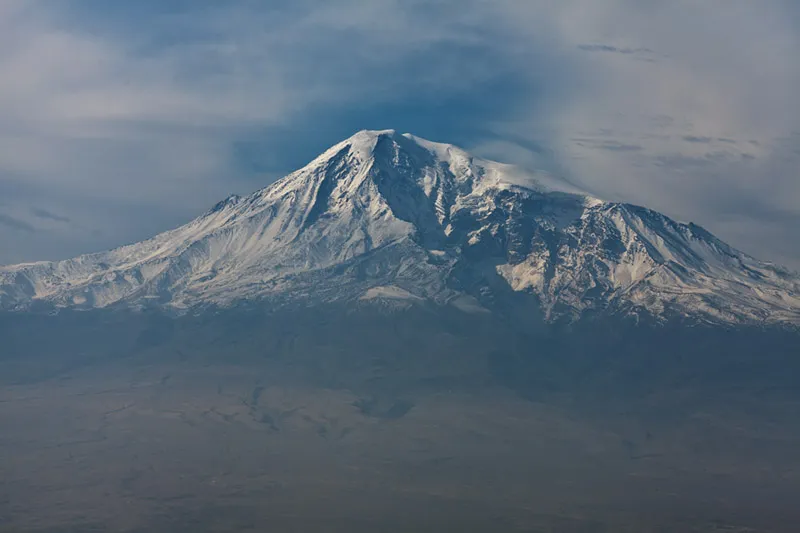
{"x": 388, "y": 216}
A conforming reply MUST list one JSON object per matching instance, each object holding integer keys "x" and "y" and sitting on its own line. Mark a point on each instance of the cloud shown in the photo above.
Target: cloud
{"x": 713, "y": 112}
{"x": 15, "y": 224}
{"x": 89, "y": 108}
{"x": 123, "y": 109}
{"x": 613, "y": 49}
{"x": 110, "y": 111}
{"x": 704, "y": 140}
{"x": 47, "y": 215}
{"x": 612, "y": 146}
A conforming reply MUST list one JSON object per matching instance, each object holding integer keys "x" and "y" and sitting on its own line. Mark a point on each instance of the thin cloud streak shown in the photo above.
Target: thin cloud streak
{"x": 16, "y": 224}
{"x": 47, "y": 215}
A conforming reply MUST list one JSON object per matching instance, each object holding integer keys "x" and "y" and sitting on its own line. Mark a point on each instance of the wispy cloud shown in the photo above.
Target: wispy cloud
{"x": 47, "y": 215}
{"x": 112, "y": 109}
{"x": 698, "y": 139}
{"x": 613, "y": 49}
{"x": 15, "y": 224}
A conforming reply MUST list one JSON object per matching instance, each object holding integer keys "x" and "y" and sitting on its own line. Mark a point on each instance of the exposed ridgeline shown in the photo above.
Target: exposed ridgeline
{"x": 396, "y": 220}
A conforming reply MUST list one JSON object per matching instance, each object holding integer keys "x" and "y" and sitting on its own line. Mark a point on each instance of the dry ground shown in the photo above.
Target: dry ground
{"x": 144, "y": 446}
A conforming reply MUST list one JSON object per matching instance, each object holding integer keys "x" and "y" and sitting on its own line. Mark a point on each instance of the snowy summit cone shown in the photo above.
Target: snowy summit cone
{"x": 390, "y": 216}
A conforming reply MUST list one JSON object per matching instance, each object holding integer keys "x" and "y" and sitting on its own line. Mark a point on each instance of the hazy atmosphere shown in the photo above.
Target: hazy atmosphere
{"x": 396, "y": 266}
{"x": 122, "y": 120}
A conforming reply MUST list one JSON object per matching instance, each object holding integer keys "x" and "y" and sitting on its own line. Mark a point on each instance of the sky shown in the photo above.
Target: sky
{"x": 119, "y": 120}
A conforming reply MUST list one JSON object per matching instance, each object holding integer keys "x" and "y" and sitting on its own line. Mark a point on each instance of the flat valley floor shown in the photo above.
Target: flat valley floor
{"x": 182, "y": 445}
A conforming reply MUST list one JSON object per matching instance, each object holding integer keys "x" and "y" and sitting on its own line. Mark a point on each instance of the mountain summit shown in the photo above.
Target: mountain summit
{"x": 386, "y": 217}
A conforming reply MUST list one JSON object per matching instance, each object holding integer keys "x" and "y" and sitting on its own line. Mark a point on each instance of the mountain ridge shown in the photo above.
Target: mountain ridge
{"x": 391, "y": 217}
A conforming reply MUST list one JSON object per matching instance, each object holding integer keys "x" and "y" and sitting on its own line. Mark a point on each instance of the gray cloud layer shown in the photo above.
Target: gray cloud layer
{"x": 128, "y": 118}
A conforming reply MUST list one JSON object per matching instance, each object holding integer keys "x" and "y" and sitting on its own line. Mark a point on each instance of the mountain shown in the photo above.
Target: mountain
{"x": 395, "y": 220}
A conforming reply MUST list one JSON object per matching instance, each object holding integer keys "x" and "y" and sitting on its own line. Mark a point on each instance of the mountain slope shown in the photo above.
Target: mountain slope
{"x": 390, "y": 217}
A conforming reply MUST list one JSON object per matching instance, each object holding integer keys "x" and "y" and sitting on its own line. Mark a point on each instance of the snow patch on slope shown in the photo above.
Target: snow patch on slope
{"x": 390, "y": 292}
{"x": 381, "y": 210}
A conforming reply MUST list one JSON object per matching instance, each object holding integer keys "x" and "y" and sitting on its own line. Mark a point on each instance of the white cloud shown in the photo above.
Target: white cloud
{"x": 683, "y": 106}
{"x": 688, "y": 107}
